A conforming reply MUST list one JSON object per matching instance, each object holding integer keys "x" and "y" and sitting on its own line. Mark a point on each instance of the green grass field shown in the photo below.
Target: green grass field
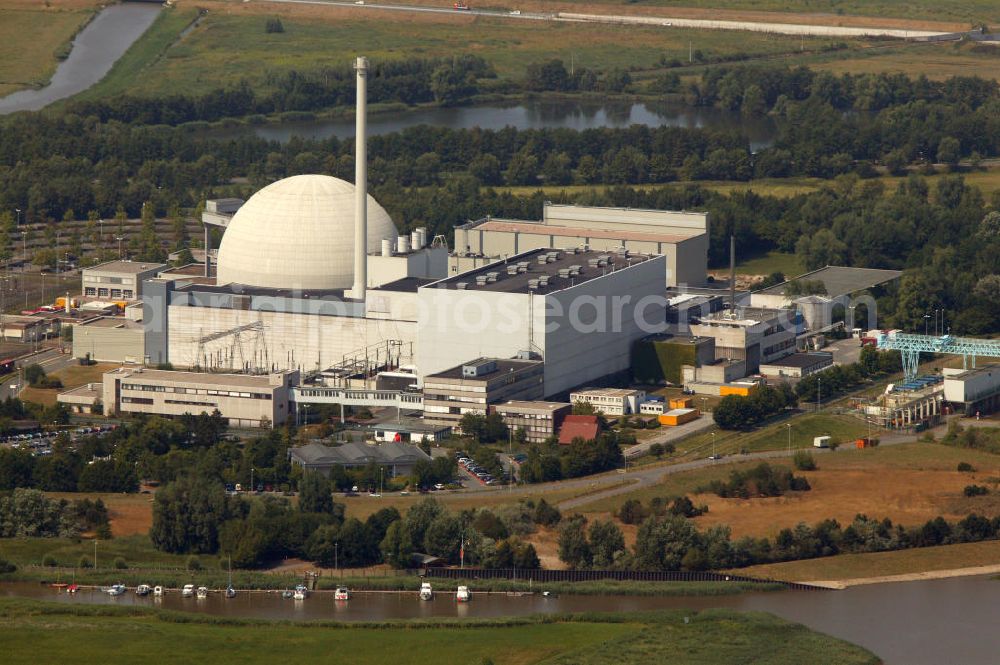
{"x": 206, "y": 58}
{"x": 31, "y": 38}
{"x": 110, "y": 635}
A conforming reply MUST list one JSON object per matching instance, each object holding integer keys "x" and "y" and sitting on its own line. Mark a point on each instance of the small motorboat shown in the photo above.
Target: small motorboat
{"x": 157, "y": 591}
{"x": 187, "y": 591}
{"x": 286, "y": 594}
{"x": 426, "y": 592}
{"x": 342, "y": 593}
{"x": 230, "y": 592}
{"x": 115, "y": 590}
{"x": 72, "y": 588}
{"x": 143, "y": 590}
{"x": 59, "y": 585}
{"x": 300, "y": 592}
{"x": 202, "y": 592}
{"x": 463, "y": 595}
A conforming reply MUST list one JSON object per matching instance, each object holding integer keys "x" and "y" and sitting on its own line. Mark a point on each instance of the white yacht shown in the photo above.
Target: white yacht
{"x": 143, "y": 590}
{"x": 463, "y": 595}
{"x": 157, "y": 591}
{"x": 202, "y": 592}
{"x": 300, "y": 592}
{"x": 342, "y": 593}
{"x": 426, "y": 592}
{"x": 187, "y": 591}
{"x": 115, "y": 590}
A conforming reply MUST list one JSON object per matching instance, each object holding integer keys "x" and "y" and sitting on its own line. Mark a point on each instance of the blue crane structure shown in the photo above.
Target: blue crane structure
{"x": 911, "y": 346}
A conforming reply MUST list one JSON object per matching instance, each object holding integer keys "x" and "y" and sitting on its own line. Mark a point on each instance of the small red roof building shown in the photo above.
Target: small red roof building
{"x": 585, "y": 427}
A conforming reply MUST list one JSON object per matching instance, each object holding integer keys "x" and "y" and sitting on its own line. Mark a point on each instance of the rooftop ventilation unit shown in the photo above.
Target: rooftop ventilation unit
{"x": 564, "y": 272}
{"x": 480, "y": 280}
{"x": 479, "y": 368}
{"x": 492, "y": 277}
{"x": 543, "y": 280}
{"x": 511, "y": 269}
{"x": 532, "y": 284}
{"x": 461, "y": 285}
{"x": 542, "y": 259}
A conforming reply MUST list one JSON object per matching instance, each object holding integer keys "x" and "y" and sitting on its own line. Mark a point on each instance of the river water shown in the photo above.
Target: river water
{"x": 930, "y": 622}
{"x": 530, "y": 114}
{"x": 95, "y": 50}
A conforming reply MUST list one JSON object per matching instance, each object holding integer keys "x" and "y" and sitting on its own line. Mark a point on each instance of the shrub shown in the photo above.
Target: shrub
{"x": 274, "y": 25}
{"x": 965, "y": 467}
{"x": 194, "y": 563}
{"x": 49, "y": 561}
{"x": 546, "y": 514}
{"x": 804, "y": 461}
{"x": 85, "y": 562}
{"x": 656, "y": 450}
{"x": 6, "y": 566}
{"x": 631, "y": 512}
{"x": 975, "y": 490}
{"x": 121, "y": 564}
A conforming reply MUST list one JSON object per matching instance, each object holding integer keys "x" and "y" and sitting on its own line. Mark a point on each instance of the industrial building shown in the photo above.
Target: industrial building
{"x": 797, "y": 365}
{"x": 681, "y": 237}
{"x": 835, "y": 285}
{"x": 473, "y": 386}
{"x": 23, "y": 328}
{"x": 753, "y": 335}
{"x": 110, "y": 339}
{"x": 244, "y": 400}
{"x": 579, "y": 310}
{"x": 974, "y": 391}
{"x": 398, "y": 459}
{"x": 610, "y": 401}
{"x": 118, "y": 281}
{"x": 538, "y": 420}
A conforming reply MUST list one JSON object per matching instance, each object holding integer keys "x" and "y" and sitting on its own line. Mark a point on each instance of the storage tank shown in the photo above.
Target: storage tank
{"x": 415, "y": 241}
{"x": 403, "y": 245}
{"x": 386, "y": 247}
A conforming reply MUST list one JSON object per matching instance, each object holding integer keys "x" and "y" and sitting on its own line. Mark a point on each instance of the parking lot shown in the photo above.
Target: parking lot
{"x": 40, "y": 442}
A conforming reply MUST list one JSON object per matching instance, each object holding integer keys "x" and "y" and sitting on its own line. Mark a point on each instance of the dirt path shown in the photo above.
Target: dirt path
{"x": 909, "y": 577}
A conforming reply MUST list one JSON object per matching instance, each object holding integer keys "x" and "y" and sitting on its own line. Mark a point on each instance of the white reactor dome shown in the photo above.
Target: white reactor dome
{"x": 298, "y": 233}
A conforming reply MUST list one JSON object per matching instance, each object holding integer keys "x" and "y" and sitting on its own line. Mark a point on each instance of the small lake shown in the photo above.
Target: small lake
{"x": 930, "y": 622}
{"x": 530, "y": 114}
{"x": 95, "y": 50}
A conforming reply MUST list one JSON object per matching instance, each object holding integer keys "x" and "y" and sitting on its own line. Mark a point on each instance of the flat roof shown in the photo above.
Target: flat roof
{"x": 112, "y": 322}
{"x": 128, "y": 267}
{"x": 189, "y": 269}
{"x": 406, "y": 284}
{"x": 244, "y": 290}
{"x": 606, "y": 392}
{"x": 562, "y": 259}
{"x": 840, "y": 280}
{"x": 801, "y": 360}
{"x": 194, "y": 378}
{"x": 518, "y": 226}
{"x": 746, "y": 316}
{"x": 533, "y": 406}
{"x": 503, "y": 365}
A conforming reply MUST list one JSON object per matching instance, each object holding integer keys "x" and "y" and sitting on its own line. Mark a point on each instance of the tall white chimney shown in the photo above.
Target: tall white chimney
{"x": 361, "y": 183}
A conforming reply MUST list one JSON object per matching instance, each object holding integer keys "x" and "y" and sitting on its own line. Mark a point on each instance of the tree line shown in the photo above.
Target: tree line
{"x": 191, "y": 515}
{"x": 29, "y": 513}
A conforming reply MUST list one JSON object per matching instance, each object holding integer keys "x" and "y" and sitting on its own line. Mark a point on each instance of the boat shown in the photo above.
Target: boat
{"x": 230, "y": 591}
{"x": 157, "y": 590}
{"x": 115, "y": 590}
{"x": 72, "y": 588}
{"x": 187, "y": 591}
{"x": 300, "y": 592}
{"x": 342, "y": 593}
{"x": 202, "y": 592}
{"x": 143, "y": 590}
{"x": 463, "y": 595}
{"x": 59, "y": 585}
{"x": 426, "y": 592}
{"x": 287, "y": 594}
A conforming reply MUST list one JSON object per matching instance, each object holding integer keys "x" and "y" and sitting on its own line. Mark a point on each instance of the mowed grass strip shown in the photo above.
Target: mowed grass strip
{"x": 881, "y": 564}
{"x": 30, "y": 38}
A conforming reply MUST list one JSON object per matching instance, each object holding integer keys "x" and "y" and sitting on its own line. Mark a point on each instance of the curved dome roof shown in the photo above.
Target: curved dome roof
{"x": 298, "y": 233}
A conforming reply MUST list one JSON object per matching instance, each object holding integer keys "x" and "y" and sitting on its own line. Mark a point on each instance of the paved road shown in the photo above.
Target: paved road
{"x": 662, "y": 21}
{"x": 50, "y": 360}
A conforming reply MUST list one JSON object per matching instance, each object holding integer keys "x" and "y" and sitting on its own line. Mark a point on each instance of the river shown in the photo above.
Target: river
{"x": 95, "y": 50}
{"x": 530, "y": 114}
{"x": 907, "y": 623}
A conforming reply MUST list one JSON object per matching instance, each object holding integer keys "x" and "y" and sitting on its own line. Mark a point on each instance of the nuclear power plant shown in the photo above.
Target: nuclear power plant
{"x": 314, "y": 280}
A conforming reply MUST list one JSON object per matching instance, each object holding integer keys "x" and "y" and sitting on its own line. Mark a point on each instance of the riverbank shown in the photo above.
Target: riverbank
{"x": 83, "y": 633}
